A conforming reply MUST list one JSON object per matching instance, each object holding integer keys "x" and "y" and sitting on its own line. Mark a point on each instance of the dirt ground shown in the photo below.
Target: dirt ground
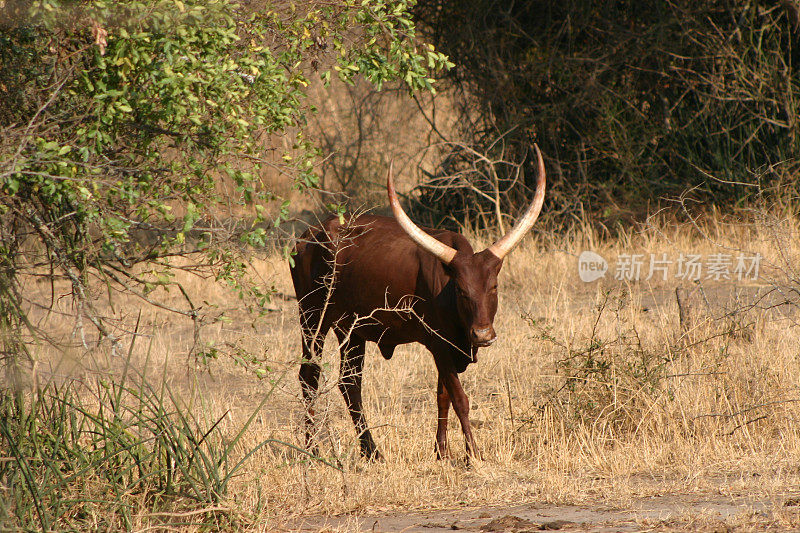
{"x": 707, "y": 512}
{"x": 719, "y": 510}
{"x": 700, "y": 511}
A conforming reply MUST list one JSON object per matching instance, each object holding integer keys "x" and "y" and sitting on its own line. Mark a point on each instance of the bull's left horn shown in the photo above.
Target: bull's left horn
{"x": 423, "y": 240}
{"x": 508, "y": 241}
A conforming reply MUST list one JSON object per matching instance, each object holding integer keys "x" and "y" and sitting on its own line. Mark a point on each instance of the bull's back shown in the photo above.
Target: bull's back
{"x": 372, "y": 255}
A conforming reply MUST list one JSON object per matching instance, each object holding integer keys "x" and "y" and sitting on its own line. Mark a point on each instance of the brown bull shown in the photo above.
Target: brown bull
{"x": 395, "y": 283}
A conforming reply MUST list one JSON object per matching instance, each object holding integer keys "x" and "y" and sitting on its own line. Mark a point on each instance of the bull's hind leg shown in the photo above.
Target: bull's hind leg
{"x": 352, "y": 367}
{"x": 313, "y": 339}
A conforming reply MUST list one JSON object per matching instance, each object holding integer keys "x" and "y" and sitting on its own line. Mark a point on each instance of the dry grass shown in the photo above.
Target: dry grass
{"x": 592, "y": 391}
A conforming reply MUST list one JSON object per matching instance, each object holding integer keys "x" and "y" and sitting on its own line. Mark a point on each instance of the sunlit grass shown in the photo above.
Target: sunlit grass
{"x": 592, "y": 390}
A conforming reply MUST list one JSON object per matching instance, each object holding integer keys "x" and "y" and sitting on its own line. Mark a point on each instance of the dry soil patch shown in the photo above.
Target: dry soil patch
{"x": 706, "y": 512}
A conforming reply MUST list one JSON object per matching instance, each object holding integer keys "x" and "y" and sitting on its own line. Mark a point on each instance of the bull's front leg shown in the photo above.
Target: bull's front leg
{"x": 443, "y": 409}
{"x": 461, "y": 406}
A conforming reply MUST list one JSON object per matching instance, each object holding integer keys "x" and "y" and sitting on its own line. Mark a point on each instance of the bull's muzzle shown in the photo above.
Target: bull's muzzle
{"x": 482, "y": 336}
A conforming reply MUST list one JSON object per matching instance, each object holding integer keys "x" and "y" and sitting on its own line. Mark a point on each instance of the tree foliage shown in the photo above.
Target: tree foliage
{"x": 134, "y": 132}
{"x": 630, "y": 101}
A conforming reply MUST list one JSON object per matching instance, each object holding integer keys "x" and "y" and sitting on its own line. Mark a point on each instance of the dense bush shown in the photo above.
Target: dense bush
{"x": 630, "y": 101}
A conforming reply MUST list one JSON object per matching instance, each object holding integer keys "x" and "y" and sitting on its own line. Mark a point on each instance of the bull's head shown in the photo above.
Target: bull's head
{"x": 474, "y": 275}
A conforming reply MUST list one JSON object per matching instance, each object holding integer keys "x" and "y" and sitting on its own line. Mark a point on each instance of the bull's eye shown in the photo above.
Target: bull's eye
{"x": 493, "y": 290}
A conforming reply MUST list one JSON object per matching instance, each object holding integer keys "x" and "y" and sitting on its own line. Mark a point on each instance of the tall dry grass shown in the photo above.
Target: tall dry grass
{"x": 592, "y": 391}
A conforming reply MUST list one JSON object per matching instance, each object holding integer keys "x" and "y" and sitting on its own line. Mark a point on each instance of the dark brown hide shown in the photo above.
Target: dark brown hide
{"x": 386, "y": 289}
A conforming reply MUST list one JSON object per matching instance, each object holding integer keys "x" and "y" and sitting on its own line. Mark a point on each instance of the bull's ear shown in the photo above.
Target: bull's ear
{"x": 449, "y": 269}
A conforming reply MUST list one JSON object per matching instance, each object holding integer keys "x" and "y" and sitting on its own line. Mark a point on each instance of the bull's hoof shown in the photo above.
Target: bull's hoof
{"x": 370, "y": 452}
{"x": 373, "y": 456}
{"x": 474, "y": 456}
{"x": 442, "y": 452}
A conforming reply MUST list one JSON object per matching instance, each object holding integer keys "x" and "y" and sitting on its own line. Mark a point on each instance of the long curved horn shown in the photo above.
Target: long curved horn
{"x": 508, "y": 241}
{"x": 443, "y": 252}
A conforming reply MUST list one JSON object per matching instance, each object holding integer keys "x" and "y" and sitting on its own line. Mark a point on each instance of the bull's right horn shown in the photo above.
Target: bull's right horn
{"x": 444, "y": 253}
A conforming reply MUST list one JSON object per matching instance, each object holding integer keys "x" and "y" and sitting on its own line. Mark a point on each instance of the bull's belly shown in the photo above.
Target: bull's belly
{"x": 384, "y": 327}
